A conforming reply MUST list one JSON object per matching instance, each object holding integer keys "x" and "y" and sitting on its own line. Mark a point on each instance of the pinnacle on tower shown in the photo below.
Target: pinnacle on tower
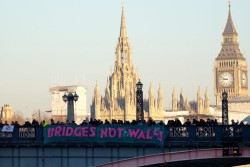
{"x": 123, "y": 30}
{"x": 206, "y": 94}
{"x": 230, "y": 28}
{"x": 150, "y": 91}
{"x": 96, "y": 91}
{"x": 123, "y": 51}
{"x": 199, "y": 93}
{"x": 160, "y": 94}
{"x": 174, "y": 101}
{"x": 174, "y": 93}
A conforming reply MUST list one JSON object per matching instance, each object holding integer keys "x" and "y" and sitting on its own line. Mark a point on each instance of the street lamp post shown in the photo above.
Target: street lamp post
{"x": 70, "y": 98}
{"x": 224, "y": 108}
{"x": 139, "y": 102}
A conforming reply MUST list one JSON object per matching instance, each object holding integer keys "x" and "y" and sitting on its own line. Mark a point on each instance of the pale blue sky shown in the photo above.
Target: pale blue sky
{"x": 48, "y": 42}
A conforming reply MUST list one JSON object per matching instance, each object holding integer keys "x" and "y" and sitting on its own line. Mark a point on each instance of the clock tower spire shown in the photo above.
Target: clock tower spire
{"x": 230, "y": 67}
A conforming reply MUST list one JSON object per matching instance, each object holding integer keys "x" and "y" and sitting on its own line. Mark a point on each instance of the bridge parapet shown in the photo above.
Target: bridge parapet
{"x": 200, "y": 136}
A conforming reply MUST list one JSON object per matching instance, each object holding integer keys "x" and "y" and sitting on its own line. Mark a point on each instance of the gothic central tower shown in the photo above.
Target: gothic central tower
{"x": 119, "y": 101}
{"x": 230, "y": 67}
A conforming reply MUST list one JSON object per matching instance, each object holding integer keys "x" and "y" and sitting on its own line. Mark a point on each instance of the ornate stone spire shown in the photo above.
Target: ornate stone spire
{"x": 160, "y": 94}
{"x": 206, "y": 95}
{"x": 123, "y": 30}
{"x": 199, "y": 93}
{"x": 229, "y": 29}
{"x": 199, "y": 102}
{"x": 123, "y": 51}
{"x": 207, "y": 100}
{"x": 181, "y": 95}
{"x": 174, "y": 101}
{"x": 160, "y": 99}
{"x": 174, "y": 94}
{"x": 186, "y": 102}
{"x": 97, "y": 90}
{"x": 150, "y": 91}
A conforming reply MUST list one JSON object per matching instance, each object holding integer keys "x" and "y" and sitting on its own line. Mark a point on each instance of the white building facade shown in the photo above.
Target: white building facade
{"x": 59, "y": 107}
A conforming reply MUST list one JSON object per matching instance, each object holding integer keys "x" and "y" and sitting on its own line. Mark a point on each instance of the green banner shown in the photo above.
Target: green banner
{"x": 138, "y": 134}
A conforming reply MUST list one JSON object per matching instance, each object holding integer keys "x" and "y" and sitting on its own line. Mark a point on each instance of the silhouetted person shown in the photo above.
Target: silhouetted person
{"x": 106, "y": 122}
{"x": 34, "y": 123}
{"x": 187, "y": 123}
{"x": 161, "y": 123}
{"x": 52, "y": 122}
{"x": 177, "y": 122}
{"x": 27, "y": 124}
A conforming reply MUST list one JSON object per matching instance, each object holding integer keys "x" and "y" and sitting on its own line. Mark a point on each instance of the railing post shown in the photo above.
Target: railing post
{"x": 245, "y": 133}
{"x": 192, "y": 133}
{"x": 218, "y": 133}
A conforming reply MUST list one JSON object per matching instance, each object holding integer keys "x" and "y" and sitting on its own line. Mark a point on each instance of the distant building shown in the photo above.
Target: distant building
{"x": 196, "y": 109}
{"x": 6, "y": 113}
{"x": 59, "y": 107}
{"x": 239, "y": 108}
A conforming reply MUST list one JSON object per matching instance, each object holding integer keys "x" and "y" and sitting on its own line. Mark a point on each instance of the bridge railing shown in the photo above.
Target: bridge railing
{"x": 22, "y": 134}
{"x": 176, "y": 135}
{"x": 207, "y": 134}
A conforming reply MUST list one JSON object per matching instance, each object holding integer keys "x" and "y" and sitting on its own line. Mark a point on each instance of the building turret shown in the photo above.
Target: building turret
{"x": 174, "y": 101}
{"x": 186, "y": 105}
{"x": 199, "y": 102}
{"x": 160, "y": 99}
{"x": 151, "y": 100}
{"x": 97, "y": 101}
{"x": 181, "y": 102}
{"x": 206, "y": 103}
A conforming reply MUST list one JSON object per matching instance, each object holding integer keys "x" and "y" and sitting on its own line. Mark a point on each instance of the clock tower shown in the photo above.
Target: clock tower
{"x": 230, "y": 66}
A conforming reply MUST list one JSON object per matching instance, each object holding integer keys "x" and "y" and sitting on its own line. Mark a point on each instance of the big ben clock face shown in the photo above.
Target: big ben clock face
{"x": 226, "y": 79}
{"x": 244, "y": 79}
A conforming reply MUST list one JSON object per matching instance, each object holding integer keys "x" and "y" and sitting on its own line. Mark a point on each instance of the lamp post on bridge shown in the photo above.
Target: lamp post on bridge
{"x": 224, "y": 108}
{"x": 70, "y": 98}
{"x": 139, "y": 102}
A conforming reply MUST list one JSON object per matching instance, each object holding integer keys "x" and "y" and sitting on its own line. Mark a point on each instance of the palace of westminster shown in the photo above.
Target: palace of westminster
{"x": 119, "y": 99}
{"x": 230, "y": 74}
